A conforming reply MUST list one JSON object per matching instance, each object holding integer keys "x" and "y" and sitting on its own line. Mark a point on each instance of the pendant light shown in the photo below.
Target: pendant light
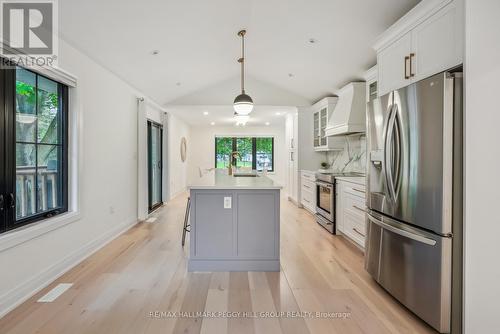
{"x": 243, "y": 104}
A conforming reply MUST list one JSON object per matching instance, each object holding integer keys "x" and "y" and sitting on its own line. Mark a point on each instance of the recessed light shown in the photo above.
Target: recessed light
{"x": 212, "y": 123}
{"x": 313, "y": 40}
{"x": 177, "y": 83}
{"x": 278, "y": 113}
{"x": 155, "y": 52}
{"x": 205, "y": 113}
{"x": 267, "y": 123}
{"x": 291, "y": 75}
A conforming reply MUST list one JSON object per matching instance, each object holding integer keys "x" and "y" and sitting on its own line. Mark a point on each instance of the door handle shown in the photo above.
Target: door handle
{"x": 1, "y": 202}
{"x": 406, "y": 67}
{"x": 387, "y": 149}
{"x": 401, "y": 232}
{"x": 12, "y": 198}
{"x": 411, "y": 61}
{"x": 390, "y": 150}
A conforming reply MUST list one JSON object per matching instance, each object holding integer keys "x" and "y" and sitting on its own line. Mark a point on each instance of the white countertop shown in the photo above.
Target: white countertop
{"x": 218, "y": 179}
{"x": 361, "y": 180}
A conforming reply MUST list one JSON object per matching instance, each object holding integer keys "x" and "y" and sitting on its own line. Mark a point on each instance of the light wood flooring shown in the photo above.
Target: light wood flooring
{"x": 138, "y": 282}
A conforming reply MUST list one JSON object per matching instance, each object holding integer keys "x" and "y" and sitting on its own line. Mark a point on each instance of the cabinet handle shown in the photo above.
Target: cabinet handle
{"x": 406, "y": 67}
{"x": 358, "y": 190}
{"x": 305, "y": 200}
{"x": 291, "y": 156}
{"x": 411, "y": 61}
{"x": 358, "y": 208}
{"x": 306, "y": 186}
{"x": 356, "y": 230}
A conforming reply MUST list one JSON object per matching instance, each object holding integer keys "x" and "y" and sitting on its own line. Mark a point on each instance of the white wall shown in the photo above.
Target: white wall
{"x": 177, "y": 129}
{"x": 202, "y": 152}
{"x": 482, "y": 162}
{"x": 108, "y": 194}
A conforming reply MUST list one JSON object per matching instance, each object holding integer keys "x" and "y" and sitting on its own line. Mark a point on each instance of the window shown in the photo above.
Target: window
{"x": 255, "y": 152}
{"x": 33, "y": 156}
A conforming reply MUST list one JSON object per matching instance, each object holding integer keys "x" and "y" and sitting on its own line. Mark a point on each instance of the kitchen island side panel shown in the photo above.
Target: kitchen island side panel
{"x": 244, "y": 237}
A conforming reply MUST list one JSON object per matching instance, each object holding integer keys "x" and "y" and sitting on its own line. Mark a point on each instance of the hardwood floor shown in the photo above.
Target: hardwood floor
{"x": 137, "y": 282}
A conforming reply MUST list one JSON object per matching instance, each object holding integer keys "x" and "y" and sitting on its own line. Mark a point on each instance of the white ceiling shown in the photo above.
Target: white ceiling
{"x": 199, "y": 47}
{"x": 222, "y": 115}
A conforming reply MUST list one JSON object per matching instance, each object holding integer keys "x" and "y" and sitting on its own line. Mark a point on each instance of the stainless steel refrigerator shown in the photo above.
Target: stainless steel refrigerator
{"x": 414, "y": 187}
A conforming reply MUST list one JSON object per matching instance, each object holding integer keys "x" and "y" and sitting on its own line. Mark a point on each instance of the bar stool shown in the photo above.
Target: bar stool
{"x": 186, "y": 227}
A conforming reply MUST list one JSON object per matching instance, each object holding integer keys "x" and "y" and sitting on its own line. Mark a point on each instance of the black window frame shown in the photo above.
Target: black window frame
{"x": 254, "y": 149}
{"x": 153, "y": 206}
{"x": 8, "y": 220}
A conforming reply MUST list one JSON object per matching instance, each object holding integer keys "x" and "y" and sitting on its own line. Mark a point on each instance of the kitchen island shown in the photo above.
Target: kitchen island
{"x": 234, "y": 223}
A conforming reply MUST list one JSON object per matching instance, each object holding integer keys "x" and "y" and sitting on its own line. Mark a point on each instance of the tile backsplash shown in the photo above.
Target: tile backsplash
{"x": 352, "y": 158}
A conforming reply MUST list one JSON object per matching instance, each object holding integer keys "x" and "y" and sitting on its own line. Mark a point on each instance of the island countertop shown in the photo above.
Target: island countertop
{"x": 219, "y": 179}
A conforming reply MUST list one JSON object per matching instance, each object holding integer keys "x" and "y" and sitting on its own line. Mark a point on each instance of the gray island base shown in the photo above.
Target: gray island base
{"x": 235, "y": 223}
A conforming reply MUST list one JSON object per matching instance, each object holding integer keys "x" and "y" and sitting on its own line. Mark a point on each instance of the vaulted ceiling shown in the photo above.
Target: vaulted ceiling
{"x": 198, "y": 46}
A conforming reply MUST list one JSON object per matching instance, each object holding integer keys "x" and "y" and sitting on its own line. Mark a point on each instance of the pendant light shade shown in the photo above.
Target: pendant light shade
{"x": 243, "y": 103}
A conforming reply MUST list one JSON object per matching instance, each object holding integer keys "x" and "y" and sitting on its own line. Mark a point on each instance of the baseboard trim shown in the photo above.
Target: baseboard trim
{"x": 179, "y": 192}
{"x": 27, "y": 289}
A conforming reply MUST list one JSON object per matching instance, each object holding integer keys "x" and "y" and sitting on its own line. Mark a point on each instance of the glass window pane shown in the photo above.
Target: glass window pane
{"x": 49, "y": 177}
{"x": 264, "y": 153}
{"x": 244, "y": 148}
{"x": 223, "y": 150}
{"x": 25, "y": 105}
{"x": 48, "y": 111}
{"x": 25, "y": 180}
{"x": 155, "y": 155}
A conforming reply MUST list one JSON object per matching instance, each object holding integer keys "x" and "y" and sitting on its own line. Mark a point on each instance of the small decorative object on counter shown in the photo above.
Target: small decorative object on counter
{"x": 324, "y": 167}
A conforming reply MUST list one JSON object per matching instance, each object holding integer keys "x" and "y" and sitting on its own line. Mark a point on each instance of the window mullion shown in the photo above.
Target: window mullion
{"x": 254, "y": 153}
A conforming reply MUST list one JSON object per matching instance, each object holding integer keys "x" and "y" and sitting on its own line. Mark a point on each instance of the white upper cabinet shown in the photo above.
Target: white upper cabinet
{"x": 392, "y": 63}
{"x": 322, "y": 112}
{"x": 439, "y": 41}
{"x": 427, "y": 40}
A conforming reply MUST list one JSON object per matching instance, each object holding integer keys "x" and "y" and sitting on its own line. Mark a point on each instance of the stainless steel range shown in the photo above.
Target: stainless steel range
{"x": 325, "y": 199}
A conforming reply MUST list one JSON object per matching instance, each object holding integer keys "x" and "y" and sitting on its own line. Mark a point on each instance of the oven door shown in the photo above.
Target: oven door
{"x": 325, "y": 200}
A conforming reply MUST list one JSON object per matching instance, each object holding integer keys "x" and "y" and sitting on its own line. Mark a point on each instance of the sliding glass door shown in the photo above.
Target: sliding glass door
{"x": 155, "y": 165}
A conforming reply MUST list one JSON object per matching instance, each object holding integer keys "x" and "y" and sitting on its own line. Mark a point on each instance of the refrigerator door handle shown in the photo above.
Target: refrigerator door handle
{"x": 404, "y": 233}
{"x": 388, "y": 161}
{"x": 398, "y": 153}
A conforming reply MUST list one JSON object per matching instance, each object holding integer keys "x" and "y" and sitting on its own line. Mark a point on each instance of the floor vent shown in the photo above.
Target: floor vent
{"x": 55, "y": 293}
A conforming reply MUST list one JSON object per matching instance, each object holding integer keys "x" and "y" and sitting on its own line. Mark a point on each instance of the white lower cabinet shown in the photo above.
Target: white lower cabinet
{"x": 308, "y": 190}
{"x": 350, "y": 216}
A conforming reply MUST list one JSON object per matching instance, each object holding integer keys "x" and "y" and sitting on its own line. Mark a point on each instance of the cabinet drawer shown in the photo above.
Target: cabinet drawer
{"x": 354, "y": 189}
{"x": 355, "y": 228}
{"x": 308, "y": 200}
{"x": 354, "y": 205}
{"x": 308, "y": 175}
{"x": 308, "y": 197}
{"x": 307, "y": 185}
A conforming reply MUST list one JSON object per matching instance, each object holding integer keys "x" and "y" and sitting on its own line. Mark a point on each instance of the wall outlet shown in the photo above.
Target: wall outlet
{"x": 227, "y": 202}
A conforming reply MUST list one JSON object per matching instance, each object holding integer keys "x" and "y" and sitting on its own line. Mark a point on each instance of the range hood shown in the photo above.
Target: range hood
{"x": 349, "y": 115}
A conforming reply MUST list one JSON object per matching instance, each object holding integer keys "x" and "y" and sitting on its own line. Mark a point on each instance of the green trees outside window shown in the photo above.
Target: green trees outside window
{"x": 256, "y": 152}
